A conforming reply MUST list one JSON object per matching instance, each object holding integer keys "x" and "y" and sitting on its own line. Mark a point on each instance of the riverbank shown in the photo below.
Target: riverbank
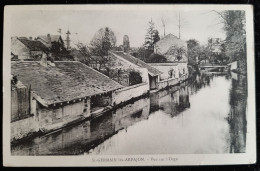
{"x": 152, "y": 120}
{"x": 120, "y": 99}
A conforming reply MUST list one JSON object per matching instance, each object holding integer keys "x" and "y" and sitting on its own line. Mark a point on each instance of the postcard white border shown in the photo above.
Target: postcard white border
{"x": 176, "y": 159}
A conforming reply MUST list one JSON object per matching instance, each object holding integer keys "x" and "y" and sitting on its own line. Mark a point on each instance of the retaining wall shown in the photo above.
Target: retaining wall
{"x": 127, "y": 93}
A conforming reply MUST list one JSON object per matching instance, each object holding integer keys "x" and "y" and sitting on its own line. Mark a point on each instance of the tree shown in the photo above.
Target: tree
{"x": 82, "y": 53}
{"x": 178, "y": 51}
{"x": 143, "y": 54}
{"x": 58, "y": 52}
{"x": 151, "y": 37}
{"x": 126, "y": 43}
{"x": 193, "y": 50}
{"x": 103, "y": 40}
{"x": 234, "y": 26}
{"x": 156, "y": 58}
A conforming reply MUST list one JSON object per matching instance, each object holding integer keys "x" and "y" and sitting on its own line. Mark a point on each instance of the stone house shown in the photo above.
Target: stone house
{"x": 173, "y": 48}
{"x": 25, "y": 49}
{"x": 60, "y": 93}
{"x": 121, "y": 60}
{"x": 175, "y": 51}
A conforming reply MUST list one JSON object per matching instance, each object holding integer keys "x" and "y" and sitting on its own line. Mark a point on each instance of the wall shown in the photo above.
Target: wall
{"x": 178, "y": 69}
{"x": 19, "y": 101}
{"x": 18, "y": 48}
{"x": 233, "y": 65}
{"x": 23, "y": 127}
{"x": 60, "y": 114}
{"x": 166, "y": 83}
{"x": 126, "y": 93}
{"x": 165, "y": 68}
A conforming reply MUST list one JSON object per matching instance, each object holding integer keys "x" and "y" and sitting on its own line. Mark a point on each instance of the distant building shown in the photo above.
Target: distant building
{"x": 175, "y": 51}
{"x": 173, "y": 48}
{"x": 57, "y": 94}
{"x": 24, "y": 48}
{"x": 50, "y": 40}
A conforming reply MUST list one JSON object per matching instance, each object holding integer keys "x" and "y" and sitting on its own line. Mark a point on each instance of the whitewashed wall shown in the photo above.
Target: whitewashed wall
{"x": 23, "y": 127}
{"x": 128, "y": 93}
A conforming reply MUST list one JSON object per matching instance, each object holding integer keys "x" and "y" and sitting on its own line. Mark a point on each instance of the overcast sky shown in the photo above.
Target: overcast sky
{"x": 83, "y": 24}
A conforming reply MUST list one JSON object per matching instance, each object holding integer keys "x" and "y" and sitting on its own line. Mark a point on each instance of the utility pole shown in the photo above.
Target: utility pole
{"x": 163, "y": 23}
{"x": 179, "y": 25}
{"x": 181, "y": 22}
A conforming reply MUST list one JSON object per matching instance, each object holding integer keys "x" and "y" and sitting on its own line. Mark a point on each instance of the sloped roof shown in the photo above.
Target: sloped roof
{"x": 65, "y": 81}
{"x": 167, "y": 44}
{"x": 33, "y": 45}
{"x": 54, "y": 38}
{"x": 138, "y": 62}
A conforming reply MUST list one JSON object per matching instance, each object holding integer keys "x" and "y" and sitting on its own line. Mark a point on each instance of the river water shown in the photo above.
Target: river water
{"x": 205, "y": 115}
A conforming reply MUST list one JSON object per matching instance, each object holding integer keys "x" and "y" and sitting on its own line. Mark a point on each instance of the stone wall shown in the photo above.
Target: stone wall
{"x": 176, "y": 69}
{"x": 127, "y": 93}
{"x": 24, "y": 127}
{"x": 167, "y": 83}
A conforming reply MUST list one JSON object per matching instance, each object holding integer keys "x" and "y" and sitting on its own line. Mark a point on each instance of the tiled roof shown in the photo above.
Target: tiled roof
{"x": 138, "y": 62}
{"x": 63, "y": 82}
{"x": 33, "y": 45}
{"x": 54, "y": 38}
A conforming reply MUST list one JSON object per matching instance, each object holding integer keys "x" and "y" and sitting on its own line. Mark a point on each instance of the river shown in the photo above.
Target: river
{"x": 205, "y": 115}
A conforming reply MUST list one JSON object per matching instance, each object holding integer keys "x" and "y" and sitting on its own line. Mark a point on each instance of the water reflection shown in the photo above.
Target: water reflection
{"x": 237, "y": 116}
{"x": 206, "y": 114}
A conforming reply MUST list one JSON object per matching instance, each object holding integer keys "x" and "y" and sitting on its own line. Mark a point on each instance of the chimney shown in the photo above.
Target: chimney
{"x": 49, "y": 38}
{"x": 43, "y": 61}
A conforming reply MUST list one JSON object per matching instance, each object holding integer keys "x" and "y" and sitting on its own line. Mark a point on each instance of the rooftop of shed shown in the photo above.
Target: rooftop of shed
{"x": 65, "y": 81}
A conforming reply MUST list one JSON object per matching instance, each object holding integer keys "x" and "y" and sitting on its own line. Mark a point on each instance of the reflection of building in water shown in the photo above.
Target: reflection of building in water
{"x": 171, "y": 101}
{"x": 87, "y": 135}
{"x": 131, "y": 114}
{"x": 237, "y": 117}
{"x": 199, "y": 81}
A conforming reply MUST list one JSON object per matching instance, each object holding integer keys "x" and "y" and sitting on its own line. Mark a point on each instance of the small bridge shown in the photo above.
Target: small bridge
{"x": 214, "y": 67}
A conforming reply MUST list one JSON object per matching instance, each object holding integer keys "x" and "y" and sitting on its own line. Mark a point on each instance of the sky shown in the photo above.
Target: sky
{"x": 199, "y": 24}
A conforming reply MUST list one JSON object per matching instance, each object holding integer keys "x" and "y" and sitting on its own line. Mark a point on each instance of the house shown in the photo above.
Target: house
{"x": 233, "y": 65}
{"x": 50, "y": 40}
{"x": 25, "y": 49}
{"x": 173, "y": 48}
{"x": 149, "y": 74}
{"x": 60, "y": 93}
